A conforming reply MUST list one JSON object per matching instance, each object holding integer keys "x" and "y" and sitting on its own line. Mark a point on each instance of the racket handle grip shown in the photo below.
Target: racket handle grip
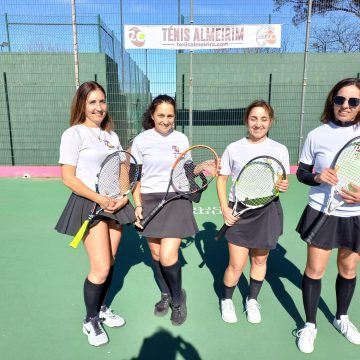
{"x": 145, "y": 221}
{"x": 148, "y": 218}
{"x": 79, "y": 235}
{"x": 319, "y": 224}
{"x": 221, "y": 232}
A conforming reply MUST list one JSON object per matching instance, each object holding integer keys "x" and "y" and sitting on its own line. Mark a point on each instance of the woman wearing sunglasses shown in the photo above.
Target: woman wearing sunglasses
{"x": 341, "y": 123}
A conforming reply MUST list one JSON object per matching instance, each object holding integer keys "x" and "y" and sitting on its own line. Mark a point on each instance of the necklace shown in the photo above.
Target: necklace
{"x": 106, "y": 142}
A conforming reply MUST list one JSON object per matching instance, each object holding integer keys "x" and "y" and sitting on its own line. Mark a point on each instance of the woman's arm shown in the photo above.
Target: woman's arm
{"x": 78, "y": 187}
{"x": 221, "y": 182}
{"x": 305, "y": 175}
{"x": 137, "y": 203}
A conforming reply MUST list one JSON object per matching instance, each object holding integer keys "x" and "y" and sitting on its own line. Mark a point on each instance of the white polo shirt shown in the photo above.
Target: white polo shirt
{"x": 81, "y": 148}
{"x": 157, "y": 153}
{"x": 320, "y": 147}
{"x": 240, "y": 152}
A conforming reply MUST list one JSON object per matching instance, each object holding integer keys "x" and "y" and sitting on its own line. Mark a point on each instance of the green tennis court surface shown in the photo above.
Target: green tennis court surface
{"x": 42, "y": 278}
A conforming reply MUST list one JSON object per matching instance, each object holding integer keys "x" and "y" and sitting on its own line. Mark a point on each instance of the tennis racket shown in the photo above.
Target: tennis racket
{"x": 190, "y": 175}
{"x": 116, "y": 178}
{"x": 256, "y": 186}
{"x": 347, "y": 166}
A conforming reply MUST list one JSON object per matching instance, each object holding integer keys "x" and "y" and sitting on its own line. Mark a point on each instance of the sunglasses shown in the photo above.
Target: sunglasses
{"x": 340, "y": 100}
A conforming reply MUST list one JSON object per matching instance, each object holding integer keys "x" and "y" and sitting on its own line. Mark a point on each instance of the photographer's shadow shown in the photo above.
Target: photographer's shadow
{"x": 278, "y": 266}
{"x": 164, "y": 346}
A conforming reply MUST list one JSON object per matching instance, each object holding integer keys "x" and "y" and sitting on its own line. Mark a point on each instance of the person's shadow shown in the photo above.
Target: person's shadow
{"x": 164, "y": 346}
{"x": 278, "y": 266}
{"x": 133, "y": 249}
{"x": 214, "y": 255}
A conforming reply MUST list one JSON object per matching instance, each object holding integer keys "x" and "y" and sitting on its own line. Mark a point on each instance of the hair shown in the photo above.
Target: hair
{"x": 328, "y": 112}
{"x": 147, "y": 121}
{"x": 77, "y": 115}
{"x": 259, "y": 103}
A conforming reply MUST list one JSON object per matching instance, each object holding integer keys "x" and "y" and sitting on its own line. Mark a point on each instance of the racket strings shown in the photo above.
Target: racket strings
{"x": 348, "y": 166}
{"x": 117, "y": 175}
{"x": 257, "y": 184}
{"x": 109, "y": 178}
{"x": 194, "y": 170}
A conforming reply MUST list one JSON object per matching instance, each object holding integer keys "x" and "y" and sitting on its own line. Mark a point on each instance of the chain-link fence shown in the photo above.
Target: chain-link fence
{"x": 37, "y": 77}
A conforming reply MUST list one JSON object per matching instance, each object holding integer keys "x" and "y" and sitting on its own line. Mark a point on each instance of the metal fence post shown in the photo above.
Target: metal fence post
{"x": 303, "y": 92}
{"x": 9, "y": 119}
{"x": 7, "y": 32}
{"x": 99, "y": 32}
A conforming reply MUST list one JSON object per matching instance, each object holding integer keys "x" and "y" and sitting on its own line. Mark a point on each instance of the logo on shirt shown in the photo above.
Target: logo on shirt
{"x": 176, "y": 151}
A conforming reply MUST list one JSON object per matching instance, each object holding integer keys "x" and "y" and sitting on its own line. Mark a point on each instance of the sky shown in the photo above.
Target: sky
{"x": 159, "y": 64}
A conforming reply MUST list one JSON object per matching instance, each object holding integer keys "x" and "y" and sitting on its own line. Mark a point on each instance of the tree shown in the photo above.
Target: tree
{"x": 341, "y": 35}
{"x": 319, "y": 7}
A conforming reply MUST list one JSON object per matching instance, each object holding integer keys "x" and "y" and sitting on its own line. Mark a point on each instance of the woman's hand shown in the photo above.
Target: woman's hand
{"x": 139, "y": 216}
{"x": 282, "y": 185}
{"x": 229, "y": 218}
{"x": 352, "y": 194}
{"x": 207, "y": 167}
{"x": 327, "y": 176}
{"x": 120, "y": 203}
{"x": 113, "y": 205}
{"x": 105, "y": 202}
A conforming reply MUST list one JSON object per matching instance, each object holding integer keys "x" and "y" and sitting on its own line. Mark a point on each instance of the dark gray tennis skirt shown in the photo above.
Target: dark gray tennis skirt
{"x": 175, "y": 219}
{"x": 337, "y": 232}
{"x": 78, "y": 209}
{"x": 258, "y": 228}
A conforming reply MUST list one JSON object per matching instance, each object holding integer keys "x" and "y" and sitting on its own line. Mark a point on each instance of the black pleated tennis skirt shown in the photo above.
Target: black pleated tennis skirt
{"x": 78, "y": 209}
{"x": 259, "y": 228}
{"x": 337, "y": 232}
{"x": 175, "y": 219}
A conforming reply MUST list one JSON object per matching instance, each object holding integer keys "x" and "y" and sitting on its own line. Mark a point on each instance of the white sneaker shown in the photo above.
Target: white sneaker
{"x": 348, "y": 329}
{"x": 228, "y": 311}
{"x": 307, "y": 337}
{"x": 110, "y": 319}
{"x": 253, "y": 311}
{"x": 95, "y": 332}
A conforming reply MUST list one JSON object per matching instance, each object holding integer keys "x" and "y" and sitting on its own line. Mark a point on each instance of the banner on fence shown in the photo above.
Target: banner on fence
{"x": 195, "y": 37}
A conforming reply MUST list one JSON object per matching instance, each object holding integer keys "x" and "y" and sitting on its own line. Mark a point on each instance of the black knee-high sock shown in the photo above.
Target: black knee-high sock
{"x": 255, "y": 287}
{"x": 173, "y": 278}
{"x": 228, "y": 291}
{"x": 92, "y": 296}
{"x": 344, "y": 293}
{"x": 311, "y": 289}
{"x": 159, "y": 277}
{"x": 106, "y": 287}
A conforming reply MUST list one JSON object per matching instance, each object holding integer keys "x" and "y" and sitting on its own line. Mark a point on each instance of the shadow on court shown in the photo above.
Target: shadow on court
{"x": 214, "y": 255}
{"x": 280, "y": 267}
{"x": 164, "y": 346}
{"x": 134, "y": 250}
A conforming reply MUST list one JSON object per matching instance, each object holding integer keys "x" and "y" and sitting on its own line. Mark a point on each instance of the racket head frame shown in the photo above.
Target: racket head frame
{"x": 248, "y": 206}
{"x": 259, "y": 160}
{"x": 180, "y": 194}
{"x": 213, "y": 173}
{"x": 130, "y": 164}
